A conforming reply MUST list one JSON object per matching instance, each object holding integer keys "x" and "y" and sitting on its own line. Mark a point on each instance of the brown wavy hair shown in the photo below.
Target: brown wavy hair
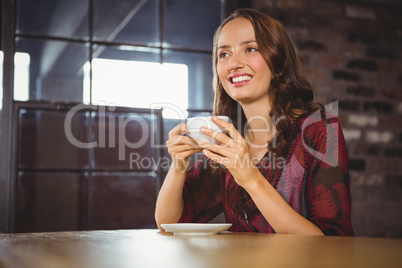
{"x": 290, "y": 95}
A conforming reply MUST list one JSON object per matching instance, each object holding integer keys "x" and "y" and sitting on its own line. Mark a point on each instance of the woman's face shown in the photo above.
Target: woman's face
{"x": 242, "y": 70}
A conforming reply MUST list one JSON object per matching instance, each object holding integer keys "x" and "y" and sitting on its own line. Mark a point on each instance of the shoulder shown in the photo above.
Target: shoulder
{"x": 322, "y": 138}
{"x": 318, "y": 125}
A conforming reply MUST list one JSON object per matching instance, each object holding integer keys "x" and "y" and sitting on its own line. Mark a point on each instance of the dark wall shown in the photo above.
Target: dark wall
{"x": 351, "y": 52}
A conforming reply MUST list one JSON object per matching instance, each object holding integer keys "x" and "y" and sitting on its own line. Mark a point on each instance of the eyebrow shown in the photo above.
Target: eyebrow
{"x": 243, "y": 43}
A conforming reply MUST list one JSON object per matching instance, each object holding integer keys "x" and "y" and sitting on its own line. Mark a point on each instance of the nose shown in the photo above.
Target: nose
{"x": 236, "y": 62}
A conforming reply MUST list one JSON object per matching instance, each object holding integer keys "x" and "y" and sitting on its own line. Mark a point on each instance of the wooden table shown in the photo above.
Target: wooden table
{"x": 150, "y": 248}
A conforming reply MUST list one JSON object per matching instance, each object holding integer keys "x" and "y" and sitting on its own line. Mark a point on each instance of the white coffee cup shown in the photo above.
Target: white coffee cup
{"x": 195, "y": 123}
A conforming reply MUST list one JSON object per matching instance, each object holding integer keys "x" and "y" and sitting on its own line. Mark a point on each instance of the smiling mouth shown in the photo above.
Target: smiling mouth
{"x": 241, "y": 78}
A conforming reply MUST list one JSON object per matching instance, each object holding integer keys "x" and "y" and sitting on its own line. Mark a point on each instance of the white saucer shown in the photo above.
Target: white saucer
{"x": 196, "y": 228}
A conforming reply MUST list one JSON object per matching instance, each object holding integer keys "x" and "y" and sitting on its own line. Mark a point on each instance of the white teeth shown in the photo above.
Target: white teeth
{"x": 241, "y": 78}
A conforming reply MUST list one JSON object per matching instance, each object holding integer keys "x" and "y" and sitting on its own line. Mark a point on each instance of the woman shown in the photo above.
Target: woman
{"x": 282, "y": 163}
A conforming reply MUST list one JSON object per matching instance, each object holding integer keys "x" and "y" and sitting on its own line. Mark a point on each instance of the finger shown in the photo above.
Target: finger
{"x": 176, "y": 133}
{"x": 183, "y": 148}
{"x": 180, "y": 139}
{"x": 185, "y": 154}
{"x": 236, "y": 136}
{"x": 215, "y": 148}
{"x": 179, "y": 129}
{"x": 219, "y": 136}
{"x": 217, "y": 158}
{"x": 175, "y": 140}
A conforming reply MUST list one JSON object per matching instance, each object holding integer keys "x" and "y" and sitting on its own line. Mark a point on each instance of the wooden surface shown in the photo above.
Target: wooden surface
{"x": 150, "y": 248}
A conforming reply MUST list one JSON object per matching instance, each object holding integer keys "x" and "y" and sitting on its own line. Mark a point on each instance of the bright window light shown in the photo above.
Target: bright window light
{"x": 1, "y": 79}
{"x": 140, "y": 84}
{"x": 21, "y": 76}
{"x": 87, "y": 83}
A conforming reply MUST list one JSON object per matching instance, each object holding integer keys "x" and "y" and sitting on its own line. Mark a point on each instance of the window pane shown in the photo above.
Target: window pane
{"x": 126, "y": 21}
{"x": 1, "y": 23}
{"x": 200, "y": 93}
{"x": 191, "y": 24}
{"x": 62, "y": 18}
{"x": 1, "y": 63}
{"x": 44, "y": 142}
{"x": 114, "y": 81}
{"x": 54, "y": 70}
{"x": 1, "y": 83}
{"x": 125, "y": 140}
{"x": 1, "y": 90}
{"x": 122, "y": 200}
{"x": 137, "y": 79}
{"x": 51, "y": 201}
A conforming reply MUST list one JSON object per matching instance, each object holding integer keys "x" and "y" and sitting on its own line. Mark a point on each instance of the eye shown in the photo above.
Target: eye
{"x": 223, "y": 55}
{"x": 251, "y": 49}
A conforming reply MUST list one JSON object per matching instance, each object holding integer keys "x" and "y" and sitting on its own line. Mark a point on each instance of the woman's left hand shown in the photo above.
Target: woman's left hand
{"x": 231, "y": 152}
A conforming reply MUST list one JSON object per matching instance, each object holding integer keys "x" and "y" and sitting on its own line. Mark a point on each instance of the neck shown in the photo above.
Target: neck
{"x": 260, "y": 126}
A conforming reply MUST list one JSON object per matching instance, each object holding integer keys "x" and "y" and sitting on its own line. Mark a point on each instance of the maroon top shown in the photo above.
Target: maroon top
{"x": 314, "y": 181}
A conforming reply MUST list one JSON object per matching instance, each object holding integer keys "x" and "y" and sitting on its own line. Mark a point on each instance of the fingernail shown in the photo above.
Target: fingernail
{"x": 203, "y": 129}
{"x": 201, "y": 143}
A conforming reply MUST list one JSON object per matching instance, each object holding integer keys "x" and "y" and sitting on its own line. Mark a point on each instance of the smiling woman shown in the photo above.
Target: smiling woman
{"x": 237, "y": 48}
{"x": 299, "y": 183}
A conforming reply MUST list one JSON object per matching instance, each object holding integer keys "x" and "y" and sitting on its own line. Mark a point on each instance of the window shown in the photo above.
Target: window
{"x": 139, "y": 84}
{"x": 21, "y": 69}
{"x": 1, "y": 79}
{"x": 122, "y": 52}
{"x": 119, "y": 52}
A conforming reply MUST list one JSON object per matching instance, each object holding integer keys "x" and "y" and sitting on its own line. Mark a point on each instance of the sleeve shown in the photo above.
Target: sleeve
{"x": 328, "y": 188}
{"x": 202, "y": 192}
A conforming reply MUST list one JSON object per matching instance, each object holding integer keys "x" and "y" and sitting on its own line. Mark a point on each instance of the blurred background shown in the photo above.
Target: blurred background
{"x": 90, "y": 89}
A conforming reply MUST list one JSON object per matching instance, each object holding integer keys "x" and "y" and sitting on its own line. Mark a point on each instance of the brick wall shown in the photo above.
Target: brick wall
{"x": 351, "y": 51}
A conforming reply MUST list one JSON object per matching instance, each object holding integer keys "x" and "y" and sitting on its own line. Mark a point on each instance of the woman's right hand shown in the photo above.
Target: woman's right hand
{"x": 181, "y": 147}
